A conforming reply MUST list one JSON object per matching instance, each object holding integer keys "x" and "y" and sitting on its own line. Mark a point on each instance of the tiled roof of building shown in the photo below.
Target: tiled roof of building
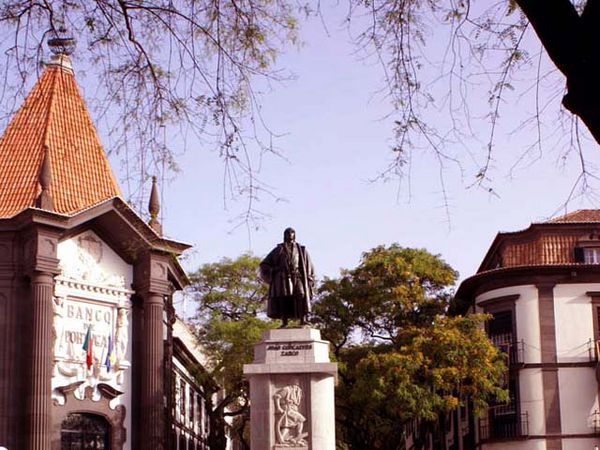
{"x": 54, "y": 117}
{"x": 547, "y": 243}
{"x": 581, "y": 215}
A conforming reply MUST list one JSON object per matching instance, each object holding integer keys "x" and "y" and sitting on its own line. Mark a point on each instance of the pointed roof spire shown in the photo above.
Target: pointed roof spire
{"x": 154, "y": 208}
{"x": 54, "y": 127}
{"x": 44, "y": 200}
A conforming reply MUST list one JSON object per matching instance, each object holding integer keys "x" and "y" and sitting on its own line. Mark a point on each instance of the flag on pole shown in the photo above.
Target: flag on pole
{"x": 110, "y": 355}
{"x": 87, "y": 347}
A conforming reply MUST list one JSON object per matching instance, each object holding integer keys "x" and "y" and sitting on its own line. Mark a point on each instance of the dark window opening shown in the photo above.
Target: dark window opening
{"x": 182, "y": 397}
{"x": 504, "y": 420}
{"x": 501, "y": 332}
{"x": 85, "y": 432}
{"x": 501, "y": 326}
{"x": 578, "y": 254}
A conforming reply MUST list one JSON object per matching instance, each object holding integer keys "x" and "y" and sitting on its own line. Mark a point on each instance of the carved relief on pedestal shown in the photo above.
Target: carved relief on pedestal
{"x": 289, "y": 421}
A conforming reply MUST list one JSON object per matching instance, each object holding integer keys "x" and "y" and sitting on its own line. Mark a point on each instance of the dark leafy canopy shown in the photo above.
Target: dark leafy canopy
{"x": 401, "y": 359}
{"x": 229, "y": 289}
{"x": 230, "y": 297}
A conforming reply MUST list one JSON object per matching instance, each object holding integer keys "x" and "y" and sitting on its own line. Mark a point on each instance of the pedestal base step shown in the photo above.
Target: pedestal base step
{"x": 284, "y": 447}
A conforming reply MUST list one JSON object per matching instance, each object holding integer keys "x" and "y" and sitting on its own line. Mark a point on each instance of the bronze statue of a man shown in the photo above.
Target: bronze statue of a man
{"x": 290, "y": 274}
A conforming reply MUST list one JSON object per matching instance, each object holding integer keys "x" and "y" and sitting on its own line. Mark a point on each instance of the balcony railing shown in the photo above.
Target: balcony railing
{"x": 513, "y": 349}
{"x": 503, "y": 422}
{"x": 595, "y": 421}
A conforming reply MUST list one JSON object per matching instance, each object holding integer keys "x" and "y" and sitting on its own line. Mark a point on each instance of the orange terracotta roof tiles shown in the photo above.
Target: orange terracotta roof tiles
{"x": 581, "y": 215}
{"x": 547, "y": 243}
{"x": 54, "y": 115}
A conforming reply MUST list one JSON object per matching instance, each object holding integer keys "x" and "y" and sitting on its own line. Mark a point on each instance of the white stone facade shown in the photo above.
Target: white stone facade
{"x": 93, "y": 290}
{"x": 575, "y": 365}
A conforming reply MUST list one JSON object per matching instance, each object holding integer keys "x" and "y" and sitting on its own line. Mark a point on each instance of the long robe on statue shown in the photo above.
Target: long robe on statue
{"x": 290, "y": 274}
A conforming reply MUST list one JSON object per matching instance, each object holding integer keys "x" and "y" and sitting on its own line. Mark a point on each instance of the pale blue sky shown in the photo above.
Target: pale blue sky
{"x": 336, "y": 139}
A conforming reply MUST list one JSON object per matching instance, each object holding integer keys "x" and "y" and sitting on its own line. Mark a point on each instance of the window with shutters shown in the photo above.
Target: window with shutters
{"x": 183, "y": 397}
{"x": 187, "y": 430}
{"x": 591, "y": 255}
{"x": 595, "y": 353}
{"x": 587, "y": 255}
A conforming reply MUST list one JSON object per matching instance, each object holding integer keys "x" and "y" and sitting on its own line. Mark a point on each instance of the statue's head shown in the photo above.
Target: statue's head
{"x": 289, "y": 235}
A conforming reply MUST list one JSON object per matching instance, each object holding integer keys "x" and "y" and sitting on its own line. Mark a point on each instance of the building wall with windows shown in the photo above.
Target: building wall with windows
{"x": 542, "y": 288}
{"x": 189, "y": 424}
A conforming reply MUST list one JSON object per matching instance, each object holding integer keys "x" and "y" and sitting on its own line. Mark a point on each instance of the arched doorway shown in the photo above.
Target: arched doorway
{"x": 80, "y": 431}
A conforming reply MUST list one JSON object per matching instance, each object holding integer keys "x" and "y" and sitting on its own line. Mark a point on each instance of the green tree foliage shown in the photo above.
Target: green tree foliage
{"x": 230, "y": 299}
{"x": 401, "y": 359}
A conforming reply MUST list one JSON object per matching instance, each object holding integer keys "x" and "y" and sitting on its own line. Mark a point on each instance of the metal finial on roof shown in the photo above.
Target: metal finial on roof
{"x": 61, "y": 43}
{"x": 61, "y": 46}
{"x": 154, "y": 208}
{"x": 44, "y": 200}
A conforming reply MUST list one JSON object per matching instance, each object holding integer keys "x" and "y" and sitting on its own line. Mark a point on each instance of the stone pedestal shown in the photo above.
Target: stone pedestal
{"x": 292, "y": 391}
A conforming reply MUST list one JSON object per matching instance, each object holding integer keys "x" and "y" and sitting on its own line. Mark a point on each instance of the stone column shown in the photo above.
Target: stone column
{"x": 40, "y": 395}
{"x": 292, "y": 392}
{"x": 151, "y": 402}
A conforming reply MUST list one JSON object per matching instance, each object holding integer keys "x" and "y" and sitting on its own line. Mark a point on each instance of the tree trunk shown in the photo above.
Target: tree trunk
{"x": 241, "y": 432}
{"x": 216, "y": 435}
{"x": 442, "y": 430}
{"x": 421, "y": 435}
{"x": 571, "y": 42}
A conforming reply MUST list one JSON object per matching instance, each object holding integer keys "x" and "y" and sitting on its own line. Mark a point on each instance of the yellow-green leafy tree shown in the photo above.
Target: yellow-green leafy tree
{"x": 402, "y": 359}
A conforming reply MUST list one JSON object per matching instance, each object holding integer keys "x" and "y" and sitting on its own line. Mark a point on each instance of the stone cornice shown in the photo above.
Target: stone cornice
{"x": 93, "y": 288}
{"x": 526, "y": 275}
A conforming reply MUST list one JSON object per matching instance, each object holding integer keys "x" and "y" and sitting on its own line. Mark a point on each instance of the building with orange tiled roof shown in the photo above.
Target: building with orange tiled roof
{"x": 86, "y": 286}
{"x": 541, "y": 286}
{"x": 54, "y": 124}
{"x": 580, "y": 216}
{"x": 545, "y": 243}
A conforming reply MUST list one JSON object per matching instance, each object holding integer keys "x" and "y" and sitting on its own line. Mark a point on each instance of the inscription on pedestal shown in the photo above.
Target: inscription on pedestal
{"x": 288, "y": 349}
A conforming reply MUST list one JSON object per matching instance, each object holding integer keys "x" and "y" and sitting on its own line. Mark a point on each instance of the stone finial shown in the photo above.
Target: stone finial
{"x": 154, "y": 208}
{"x": 44, "y": 200}
{"x": 62, "y": 43}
